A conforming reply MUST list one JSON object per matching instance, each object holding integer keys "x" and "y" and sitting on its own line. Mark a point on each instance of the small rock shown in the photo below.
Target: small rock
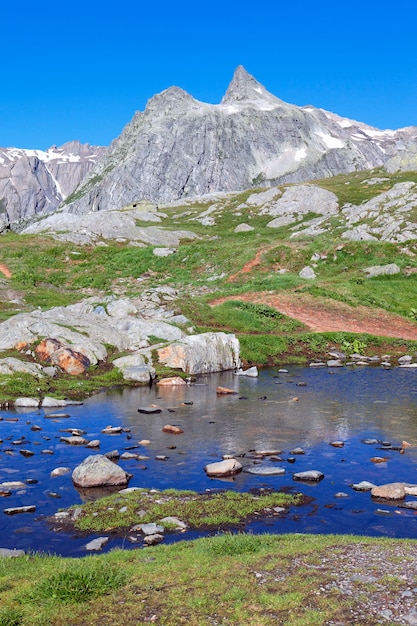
{"x": 16, "y": 484}
{"x": 173, "y": 430}
{"x": 113, "y": 454}
{"x": 297, "y": 451}
{"x": 27, "y": 402}
{"x": 149, "y": 410}
{"x": 223, "y": 468}
{"x": 150, "y": 529}
{"x": 307, "y": 273}
{"x": 172, "y": 381}
{"x": 96, "y": 544}
{"x": 263, "y": 470}
{"x": 60, "y": 471}
{"x": 252, "y": 372}
{"x": 364, "y": 485}
{"x": 74, "y": 441}
{"x": 174, "y": 521}
{"x": 337, "y": 444}
{"x": 309, "y": 475}
{"x": 152, "y": 540}
{"x": 26, "y": 453}
{"x": 112, "y": 430}
{"x": 20, "y": 509}
{"x": 224, "y": 391}
{"x": 95, "y": 443}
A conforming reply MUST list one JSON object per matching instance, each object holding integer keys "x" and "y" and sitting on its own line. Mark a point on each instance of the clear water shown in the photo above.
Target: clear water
{"x": 343, "y": 404}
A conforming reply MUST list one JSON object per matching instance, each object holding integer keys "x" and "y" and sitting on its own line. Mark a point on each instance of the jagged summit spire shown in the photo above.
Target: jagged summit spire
{"x": 245, "y": 87}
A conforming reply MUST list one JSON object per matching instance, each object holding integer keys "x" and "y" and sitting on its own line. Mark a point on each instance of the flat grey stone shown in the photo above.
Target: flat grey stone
{"x": 6, "y": 553}
{"x": 309, "y": 475}
{"x": 150, "y": 529}
{"x": 20, "y": 509}
{"x": 265, "y": 470}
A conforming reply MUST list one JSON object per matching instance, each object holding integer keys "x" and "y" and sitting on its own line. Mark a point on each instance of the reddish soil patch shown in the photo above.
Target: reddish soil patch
{"x": 325, "y": 315}
{"x": 248, "y": 267}
{"x": 5, "y": 270}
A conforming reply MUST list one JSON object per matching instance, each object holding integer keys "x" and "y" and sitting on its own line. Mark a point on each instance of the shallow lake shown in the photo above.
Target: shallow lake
{"x": 307, "y": 408}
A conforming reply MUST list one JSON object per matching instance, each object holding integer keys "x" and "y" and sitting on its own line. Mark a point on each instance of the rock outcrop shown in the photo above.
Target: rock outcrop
{"x": 35, "y": 182}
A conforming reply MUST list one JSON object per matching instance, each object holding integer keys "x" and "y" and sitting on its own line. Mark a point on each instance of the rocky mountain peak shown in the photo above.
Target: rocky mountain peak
{"x": 169, "y": 100}
{"x": 244, "y": 87}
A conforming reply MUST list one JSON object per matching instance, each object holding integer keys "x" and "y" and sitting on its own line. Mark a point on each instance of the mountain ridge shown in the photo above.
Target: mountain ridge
{"x": 180, "y": 147}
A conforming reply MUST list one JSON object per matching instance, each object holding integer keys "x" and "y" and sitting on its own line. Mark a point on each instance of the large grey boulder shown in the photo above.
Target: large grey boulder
{"x": 201, "y": 354}
{"x": 98, "y": 471}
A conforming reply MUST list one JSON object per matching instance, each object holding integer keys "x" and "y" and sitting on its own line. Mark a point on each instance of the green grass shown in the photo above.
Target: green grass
{"x": 17, "y": 385}
{"x": 256, "y": 580}
{"x": 77, "y": 581}
{"x": 218, "y": 510}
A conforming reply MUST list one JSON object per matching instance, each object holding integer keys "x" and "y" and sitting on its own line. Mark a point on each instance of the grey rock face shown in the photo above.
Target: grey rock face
{"x": 36, "y": 181}
{"x": 180, "y": 147}
{"x": 201, "y": 354}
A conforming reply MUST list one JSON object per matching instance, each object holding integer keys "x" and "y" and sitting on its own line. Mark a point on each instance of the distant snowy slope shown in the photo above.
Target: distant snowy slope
{"x": 35, "y": 182}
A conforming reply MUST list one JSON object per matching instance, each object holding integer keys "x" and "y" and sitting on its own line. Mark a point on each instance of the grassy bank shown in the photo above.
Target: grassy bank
{"x": 228, "y": 579}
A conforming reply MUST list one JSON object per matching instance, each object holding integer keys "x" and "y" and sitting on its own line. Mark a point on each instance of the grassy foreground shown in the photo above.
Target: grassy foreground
{"x": 227, "y": 579}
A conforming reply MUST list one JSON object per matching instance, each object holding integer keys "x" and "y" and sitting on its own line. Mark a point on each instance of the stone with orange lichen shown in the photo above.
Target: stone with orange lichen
{"x": 70, "y": 361}
{"x": 21, "y": 345}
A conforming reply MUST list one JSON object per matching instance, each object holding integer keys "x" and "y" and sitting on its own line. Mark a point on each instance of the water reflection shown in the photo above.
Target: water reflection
{"x": 306, "y": 407}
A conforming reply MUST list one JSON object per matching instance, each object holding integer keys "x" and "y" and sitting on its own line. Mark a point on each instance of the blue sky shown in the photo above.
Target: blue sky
{"x": 80, "y": 69}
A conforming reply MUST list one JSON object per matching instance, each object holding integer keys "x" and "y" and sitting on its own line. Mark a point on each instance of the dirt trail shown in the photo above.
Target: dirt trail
{"x": 325, "y": 315}
{"x": 248, "y": 267}
{"x": 5, "y": 270}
